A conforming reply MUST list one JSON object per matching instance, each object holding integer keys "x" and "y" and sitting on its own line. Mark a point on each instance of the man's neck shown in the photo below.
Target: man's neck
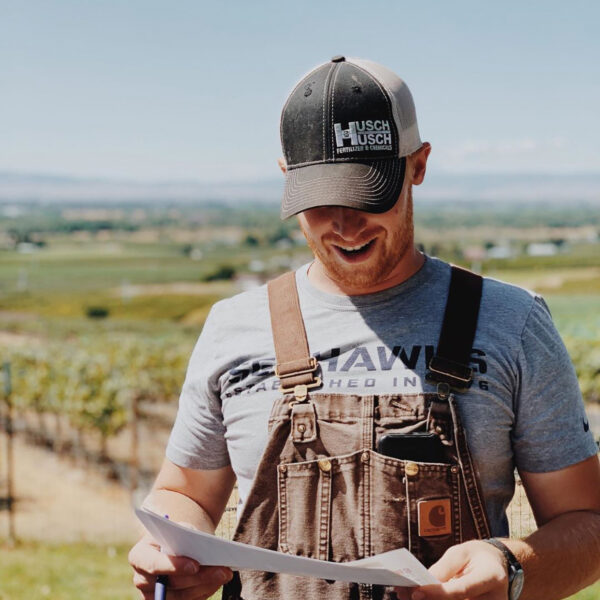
{"x": 320, "y": 278}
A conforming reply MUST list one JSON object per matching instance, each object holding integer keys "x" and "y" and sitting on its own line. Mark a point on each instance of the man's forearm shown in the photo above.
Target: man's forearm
{"x": 179, "y": 508}
{"x": 561, "y": 557}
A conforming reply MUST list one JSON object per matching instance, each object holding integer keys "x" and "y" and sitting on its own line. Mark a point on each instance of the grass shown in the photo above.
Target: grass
{"x": 44, "y": 273}
{"x": 560, "y": 280}
{"x": 90, "y": 269}
{"x": 141, "y": 307}
{"x": 576, "y": 315}
{"x": 32, "y": 571}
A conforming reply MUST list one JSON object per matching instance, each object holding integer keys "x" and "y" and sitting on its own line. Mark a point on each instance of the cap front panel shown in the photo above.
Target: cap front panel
{"x": 362, "y": 122}
{"x": 303, "y": 117}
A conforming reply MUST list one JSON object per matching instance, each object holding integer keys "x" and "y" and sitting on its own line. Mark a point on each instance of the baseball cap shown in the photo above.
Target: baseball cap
{"x": 346, "y": 130}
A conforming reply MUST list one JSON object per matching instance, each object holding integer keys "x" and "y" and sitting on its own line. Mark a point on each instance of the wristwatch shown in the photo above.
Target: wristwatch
{"x": 516, "y": 577}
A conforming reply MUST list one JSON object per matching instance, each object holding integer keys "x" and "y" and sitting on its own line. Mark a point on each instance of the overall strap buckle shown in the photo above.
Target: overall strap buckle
{"x": 298, "y": 377}
{"x": 301, "y": 389}
{"x": 442, "y": 370}
{"x": 295, "y": 368}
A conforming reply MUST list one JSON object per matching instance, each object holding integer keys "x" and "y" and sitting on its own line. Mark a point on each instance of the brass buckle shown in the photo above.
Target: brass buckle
{"x": 301, "y": 390}
{"x": 452, "y": 375}
{"x": 311, "y": 369}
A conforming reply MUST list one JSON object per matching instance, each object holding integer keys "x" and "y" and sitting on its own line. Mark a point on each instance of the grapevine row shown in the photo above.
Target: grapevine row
{"x": 95, "y": 382}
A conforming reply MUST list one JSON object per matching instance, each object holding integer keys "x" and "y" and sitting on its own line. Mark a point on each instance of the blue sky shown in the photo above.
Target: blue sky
{"x": 167, "y": 90}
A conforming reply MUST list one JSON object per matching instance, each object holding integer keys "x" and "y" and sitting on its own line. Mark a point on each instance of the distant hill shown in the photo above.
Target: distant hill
{"x": 15, "y": 187}
{"x": 24, "y": 187}
{"x": 524, "y": 187}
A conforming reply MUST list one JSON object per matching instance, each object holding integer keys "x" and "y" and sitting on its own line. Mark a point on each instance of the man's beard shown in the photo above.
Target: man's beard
{"x": 390, "y": 251}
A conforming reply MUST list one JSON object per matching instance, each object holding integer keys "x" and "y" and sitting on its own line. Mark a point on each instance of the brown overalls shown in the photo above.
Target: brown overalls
{"x": 322, "y": 491}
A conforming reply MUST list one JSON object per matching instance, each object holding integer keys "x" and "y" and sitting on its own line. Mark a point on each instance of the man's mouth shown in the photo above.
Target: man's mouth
{"x": 355, "y": 252}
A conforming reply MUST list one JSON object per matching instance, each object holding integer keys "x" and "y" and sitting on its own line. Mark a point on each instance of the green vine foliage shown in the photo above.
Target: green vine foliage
{"x": 585, "y": 354}
{"x": 92, "y": 381}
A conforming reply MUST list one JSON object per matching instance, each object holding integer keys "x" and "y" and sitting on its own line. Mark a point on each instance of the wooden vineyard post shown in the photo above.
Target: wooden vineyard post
{"x": 134, "y": 466}
{"x": 9, "y": 454}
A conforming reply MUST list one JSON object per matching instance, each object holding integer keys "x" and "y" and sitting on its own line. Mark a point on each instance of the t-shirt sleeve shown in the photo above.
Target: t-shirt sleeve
{"x": 550, "y": 430}
{"x": 197, "y": 440}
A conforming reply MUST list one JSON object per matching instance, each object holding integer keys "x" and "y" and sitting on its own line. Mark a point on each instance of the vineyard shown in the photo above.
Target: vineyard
{"x": 95, "y": 386}
{"x": 77, "y": 396}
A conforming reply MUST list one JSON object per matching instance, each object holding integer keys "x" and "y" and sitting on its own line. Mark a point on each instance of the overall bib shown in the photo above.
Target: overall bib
{"x": 322, "y": 491}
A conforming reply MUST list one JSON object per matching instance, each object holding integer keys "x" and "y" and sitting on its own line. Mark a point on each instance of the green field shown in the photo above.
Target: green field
{"x": 65, "y": 572}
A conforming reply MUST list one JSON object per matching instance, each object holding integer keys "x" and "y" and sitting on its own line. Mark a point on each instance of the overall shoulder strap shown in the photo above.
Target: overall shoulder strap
{"x": 295, "y": 366}
{"x": 451, "y": 362}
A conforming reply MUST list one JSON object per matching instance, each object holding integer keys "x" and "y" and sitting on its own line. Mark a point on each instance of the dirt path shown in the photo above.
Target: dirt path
{"x": 58, "y": 501}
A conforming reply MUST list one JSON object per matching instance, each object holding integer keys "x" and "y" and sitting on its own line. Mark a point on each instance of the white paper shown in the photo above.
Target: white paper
{"x": 394, "y": 568}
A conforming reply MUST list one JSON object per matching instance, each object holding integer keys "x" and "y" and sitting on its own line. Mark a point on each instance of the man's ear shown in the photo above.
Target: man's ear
{"x": 282, "y": 165}
{"x": 419, "y": 163}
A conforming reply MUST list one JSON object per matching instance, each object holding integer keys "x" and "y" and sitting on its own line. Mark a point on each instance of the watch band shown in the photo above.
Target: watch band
{"x": 514, "y": 568}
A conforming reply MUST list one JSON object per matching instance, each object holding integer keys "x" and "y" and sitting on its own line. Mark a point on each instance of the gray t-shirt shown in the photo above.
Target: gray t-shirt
{"x": 524, "y": 408}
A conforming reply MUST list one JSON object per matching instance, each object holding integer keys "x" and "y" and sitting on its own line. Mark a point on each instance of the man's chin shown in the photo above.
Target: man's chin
{"x": 353, "y": 276}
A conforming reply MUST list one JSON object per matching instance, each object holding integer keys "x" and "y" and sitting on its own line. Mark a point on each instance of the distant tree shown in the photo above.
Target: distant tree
{"x": 280, "y": 233}
{"x": 97, "y": 312}
{"x": 251, "y": 240}
{"x": 222, "y": 273}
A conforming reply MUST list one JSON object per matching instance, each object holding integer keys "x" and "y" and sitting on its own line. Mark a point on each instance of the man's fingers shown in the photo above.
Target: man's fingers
{"x": 163, "y": 564}
{"x": 458, "y": 591}
{"x": 468, "y": 586}
{"x": 473, "y": 585}
{"x": 198, "y": 593}
{"x": 451, "y": 564}
{"x": 207, "y": 578}
{"x": 473, "y": 570}
{"x": 206, "y": 575}
{"x": 148, "y": 559}
{"x": 403, "y": 593}
{"x": 142, "y": 582}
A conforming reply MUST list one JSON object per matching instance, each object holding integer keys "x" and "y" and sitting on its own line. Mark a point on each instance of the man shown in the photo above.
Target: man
{"x": 379, "y": 339}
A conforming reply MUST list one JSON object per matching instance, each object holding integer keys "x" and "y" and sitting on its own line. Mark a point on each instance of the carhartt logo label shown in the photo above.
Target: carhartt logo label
{"x": 370, "y": 135}
{"x": 435, "y": 517}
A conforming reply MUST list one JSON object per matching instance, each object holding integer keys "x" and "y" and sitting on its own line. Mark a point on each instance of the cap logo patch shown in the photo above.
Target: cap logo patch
{"x": 370, "y": 135}
{"x": 435, "y": 517}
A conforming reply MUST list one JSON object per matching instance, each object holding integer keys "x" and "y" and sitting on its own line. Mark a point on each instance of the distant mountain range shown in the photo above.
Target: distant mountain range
{"x": 24, "y": 187}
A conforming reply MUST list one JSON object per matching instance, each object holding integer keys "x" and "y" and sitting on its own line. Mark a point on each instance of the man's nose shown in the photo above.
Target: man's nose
{"x": 347, "y": 222}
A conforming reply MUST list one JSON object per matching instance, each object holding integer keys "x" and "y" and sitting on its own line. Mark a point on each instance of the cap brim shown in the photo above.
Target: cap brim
{"x": 373, "y": 186}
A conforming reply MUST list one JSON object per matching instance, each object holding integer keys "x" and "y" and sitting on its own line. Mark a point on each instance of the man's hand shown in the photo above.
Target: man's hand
{"x": 474, "y": 570}
{"x": 195, "y": 499}
{"x": 187, "y": 579}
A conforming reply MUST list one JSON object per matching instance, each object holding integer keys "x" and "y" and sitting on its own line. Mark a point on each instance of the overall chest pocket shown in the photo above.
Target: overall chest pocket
{"x": 347, "y": 507}
{"x": 414, "y": 505}
{"x": 319, "y": 505}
